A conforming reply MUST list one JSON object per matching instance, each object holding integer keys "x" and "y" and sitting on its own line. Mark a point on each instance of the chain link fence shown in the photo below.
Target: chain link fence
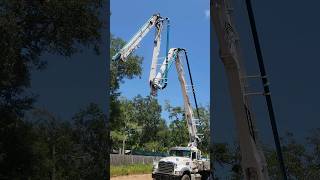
{"x": 120, "y": 159}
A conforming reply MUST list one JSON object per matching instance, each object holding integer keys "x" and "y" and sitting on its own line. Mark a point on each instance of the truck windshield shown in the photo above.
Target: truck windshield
{"x": 180, "y": 153}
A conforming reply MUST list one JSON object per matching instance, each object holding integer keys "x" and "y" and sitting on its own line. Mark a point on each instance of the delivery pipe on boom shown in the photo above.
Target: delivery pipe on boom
{"x": 192, "y": 85}
{"x": 265, "y": 85}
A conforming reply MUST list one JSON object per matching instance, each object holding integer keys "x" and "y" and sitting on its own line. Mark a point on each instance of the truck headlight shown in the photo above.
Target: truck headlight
{"x": 154, "y": 166}
{"x": 179, "y": 173}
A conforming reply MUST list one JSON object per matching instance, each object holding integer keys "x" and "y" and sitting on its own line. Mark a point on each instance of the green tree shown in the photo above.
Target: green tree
{"x": 70, "y": 151}
{"x": 148, "y": 116}
{"x": 178, "y": 126}
{"x": 235, "y": 162}
{"x": 301, "y": 160}
{"x": 179, "y": 135}
{"x": 293, "y": 153}
{"x": 139, "y": 125}
{"x": 16, "y": 152}
{"x": 119, "y": 71}
{"x": 204, "y": 128}
{"x": 313, "y": 141}
{"x": 91, "y": 136}
{"x": 54, "y": 146}
{"x": 163, "y": 136}
{"x": 129, "y": 127}
{"x": 29, "y": 29}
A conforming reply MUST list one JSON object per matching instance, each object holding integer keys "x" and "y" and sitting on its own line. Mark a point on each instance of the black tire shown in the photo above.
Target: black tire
{"x": 185, "y": 177}
{"x": 206, "y": 176}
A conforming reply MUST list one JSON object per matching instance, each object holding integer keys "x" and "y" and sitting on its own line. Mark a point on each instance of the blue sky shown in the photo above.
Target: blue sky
{"x": 69, "y": 84}
{"x": 189, "y": 29}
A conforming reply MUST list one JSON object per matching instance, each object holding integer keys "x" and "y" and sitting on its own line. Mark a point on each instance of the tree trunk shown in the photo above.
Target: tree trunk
{"x": 53, "y": 175}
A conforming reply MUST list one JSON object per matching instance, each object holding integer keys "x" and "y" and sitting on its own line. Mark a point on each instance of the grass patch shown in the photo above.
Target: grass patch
{"x": 130, "y": 169}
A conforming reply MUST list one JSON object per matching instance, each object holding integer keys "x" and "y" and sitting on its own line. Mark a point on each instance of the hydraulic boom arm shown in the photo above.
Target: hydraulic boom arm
{"x": 155, "y": 21}
{"x": 160, "y": 82}
{"x": 252, "y": 159}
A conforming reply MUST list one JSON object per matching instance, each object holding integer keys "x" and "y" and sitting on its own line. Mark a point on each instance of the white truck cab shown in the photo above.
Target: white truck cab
{"x": 183, "y": 163}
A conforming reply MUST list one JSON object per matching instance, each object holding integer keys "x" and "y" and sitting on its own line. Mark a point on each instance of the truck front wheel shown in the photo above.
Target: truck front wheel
{"x": 185, "y": 177}
{"x": 206, "y": 176}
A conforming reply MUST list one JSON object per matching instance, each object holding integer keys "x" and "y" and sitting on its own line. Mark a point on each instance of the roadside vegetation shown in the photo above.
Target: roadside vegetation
{"x": 124, "y": 170}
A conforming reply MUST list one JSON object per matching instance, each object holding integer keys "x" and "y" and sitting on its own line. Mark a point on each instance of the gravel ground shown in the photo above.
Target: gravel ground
{"x": 133, "y": 177}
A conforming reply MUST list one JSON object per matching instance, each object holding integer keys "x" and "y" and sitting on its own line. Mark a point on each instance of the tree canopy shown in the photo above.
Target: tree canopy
{"x": 29, "y": 30}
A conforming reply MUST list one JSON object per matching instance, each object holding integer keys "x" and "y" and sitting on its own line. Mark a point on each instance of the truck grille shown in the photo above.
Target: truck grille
{"x": 165, "y": 167}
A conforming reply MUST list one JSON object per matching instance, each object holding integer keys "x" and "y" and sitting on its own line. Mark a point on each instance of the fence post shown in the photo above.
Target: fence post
{"x": 131, "y": 159}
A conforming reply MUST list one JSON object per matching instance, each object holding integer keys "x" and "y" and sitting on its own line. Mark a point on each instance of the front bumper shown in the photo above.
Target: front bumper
{"x": 165, "y": 176}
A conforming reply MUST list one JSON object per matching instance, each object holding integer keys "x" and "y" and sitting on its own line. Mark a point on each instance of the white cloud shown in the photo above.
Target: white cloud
{"x": 207, "y": 13}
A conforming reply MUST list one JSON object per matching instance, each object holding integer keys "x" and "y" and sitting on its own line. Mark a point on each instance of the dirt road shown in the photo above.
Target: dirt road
{"x": 133, "y": 177}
